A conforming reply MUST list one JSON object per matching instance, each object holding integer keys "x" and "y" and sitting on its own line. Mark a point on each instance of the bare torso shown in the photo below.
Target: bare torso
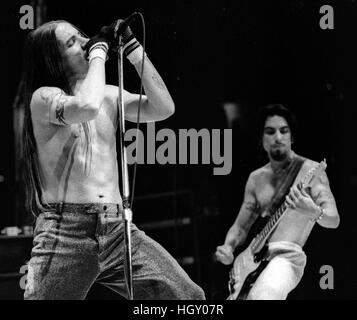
{"x": 294, "y": 226}
{"x": 74, "y": 170}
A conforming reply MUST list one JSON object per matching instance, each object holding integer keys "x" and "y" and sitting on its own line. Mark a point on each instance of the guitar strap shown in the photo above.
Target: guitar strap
{"x": 285, "y": 184}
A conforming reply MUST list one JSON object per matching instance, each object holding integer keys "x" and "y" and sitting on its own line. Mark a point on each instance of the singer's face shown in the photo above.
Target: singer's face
{"x": 71, "y": 43}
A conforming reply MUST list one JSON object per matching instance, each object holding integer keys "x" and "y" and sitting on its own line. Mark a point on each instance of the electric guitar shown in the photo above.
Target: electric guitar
{"x": 249, "y": 263}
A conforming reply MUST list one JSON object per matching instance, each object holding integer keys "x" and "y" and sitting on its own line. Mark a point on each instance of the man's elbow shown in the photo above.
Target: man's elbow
{"x": 333, "y": 222}
{"x": 167, "y": 111}
{"x": 337, "y": 222}
{"x": 170, "y": 109}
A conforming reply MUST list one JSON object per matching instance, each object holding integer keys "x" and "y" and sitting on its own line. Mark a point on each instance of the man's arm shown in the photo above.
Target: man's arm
{"x": 51, "y": 104}
{"x": 323, "y": 197}
{"x": 157, "y": 103}
{"x": 238, "y": 232}
{"x": 317, "y": 202}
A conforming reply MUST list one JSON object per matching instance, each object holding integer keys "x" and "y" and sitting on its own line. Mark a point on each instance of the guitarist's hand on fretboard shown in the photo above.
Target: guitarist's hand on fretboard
{"x": 298, "y": 199}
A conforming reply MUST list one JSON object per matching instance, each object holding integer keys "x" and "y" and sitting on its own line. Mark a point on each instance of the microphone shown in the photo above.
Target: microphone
{"x": 121, "y": 25}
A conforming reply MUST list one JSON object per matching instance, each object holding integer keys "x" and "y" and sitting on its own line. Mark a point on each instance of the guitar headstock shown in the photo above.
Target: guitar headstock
{"x": 314, "y": 173}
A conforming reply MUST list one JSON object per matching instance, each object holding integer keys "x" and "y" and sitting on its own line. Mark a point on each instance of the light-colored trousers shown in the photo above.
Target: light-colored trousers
{"x": 282, "y": 274}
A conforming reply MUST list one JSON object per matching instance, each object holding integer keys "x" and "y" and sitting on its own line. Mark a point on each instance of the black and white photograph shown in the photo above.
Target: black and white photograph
{"x": 195, "y": 151}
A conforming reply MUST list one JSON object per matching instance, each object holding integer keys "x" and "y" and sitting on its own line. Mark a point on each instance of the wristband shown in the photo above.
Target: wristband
{"x": 130, "y": 45}
{"x": 99, "y": 50}
{"x": 136, "y": 55}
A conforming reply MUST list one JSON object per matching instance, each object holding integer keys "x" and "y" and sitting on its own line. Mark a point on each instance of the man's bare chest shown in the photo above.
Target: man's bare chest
{"x": 264, "y": 196}
{"x": 265, "y": 191}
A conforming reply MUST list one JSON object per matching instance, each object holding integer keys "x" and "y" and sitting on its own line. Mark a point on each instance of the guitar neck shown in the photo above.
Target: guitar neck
{"x": 261, "y": 238}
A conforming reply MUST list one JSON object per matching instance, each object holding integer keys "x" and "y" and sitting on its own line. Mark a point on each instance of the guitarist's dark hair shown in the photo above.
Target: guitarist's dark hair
{"x": 271, "y": 110}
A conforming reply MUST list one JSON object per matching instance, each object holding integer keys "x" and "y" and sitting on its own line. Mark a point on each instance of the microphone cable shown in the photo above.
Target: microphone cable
{"x": 139, "y": 109}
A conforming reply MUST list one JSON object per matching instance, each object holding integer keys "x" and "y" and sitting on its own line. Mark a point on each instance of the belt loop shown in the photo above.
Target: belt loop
{"x": 118, "y": 212}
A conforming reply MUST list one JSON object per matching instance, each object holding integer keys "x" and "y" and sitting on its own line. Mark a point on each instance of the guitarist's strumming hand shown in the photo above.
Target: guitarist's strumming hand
{"x": 299, "y": 200}
{"x": 224, "y": 254}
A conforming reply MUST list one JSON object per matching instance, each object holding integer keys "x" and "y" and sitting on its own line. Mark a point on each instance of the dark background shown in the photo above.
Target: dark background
{"x": 211, "y": 52}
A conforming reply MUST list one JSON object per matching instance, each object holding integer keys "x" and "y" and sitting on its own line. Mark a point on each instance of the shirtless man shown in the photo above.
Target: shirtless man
{"x": 306, "y": 207}
{"x": 72, "y": 172}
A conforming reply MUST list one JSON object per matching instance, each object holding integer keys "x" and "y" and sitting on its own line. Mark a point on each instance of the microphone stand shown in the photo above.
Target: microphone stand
{"x": 127, "y": 213}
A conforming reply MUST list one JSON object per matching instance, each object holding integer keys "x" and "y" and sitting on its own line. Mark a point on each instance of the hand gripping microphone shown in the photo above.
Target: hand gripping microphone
{"x": 121, "y": 25}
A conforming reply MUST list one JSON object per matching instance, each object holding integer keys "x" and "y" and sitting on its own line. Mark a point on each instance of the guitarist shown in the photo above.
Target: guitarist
{"x": 285, "y": 256}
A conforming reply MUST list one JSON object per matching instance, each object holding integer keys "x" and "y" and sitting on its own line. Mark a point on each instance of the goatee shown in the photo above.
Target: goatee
{"x": 278, "y": 155}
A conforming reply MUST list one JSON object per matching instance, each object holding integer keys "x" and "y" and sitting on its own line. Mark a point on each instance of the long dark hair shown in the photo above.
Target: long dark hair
{"x": 43, "y": 67}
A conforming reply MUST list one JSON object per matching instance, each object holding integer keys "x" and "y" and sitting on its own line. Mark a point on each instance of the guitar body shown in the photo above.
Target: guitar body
{"x": 246, "y": 268}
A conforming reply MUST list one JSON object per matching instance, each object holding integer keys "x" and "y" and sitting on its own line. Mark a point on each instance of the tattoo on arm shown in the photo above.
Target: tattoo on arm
{"x": 158, "y": 81}
{"x": 252, "y": 207}
{"x": 321, "y": 193}
{"x": 49, "y": 96}
{"x": 249, "y": 213}
{"x": 324, "y": 198}
{"x": 60, "y": 110}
